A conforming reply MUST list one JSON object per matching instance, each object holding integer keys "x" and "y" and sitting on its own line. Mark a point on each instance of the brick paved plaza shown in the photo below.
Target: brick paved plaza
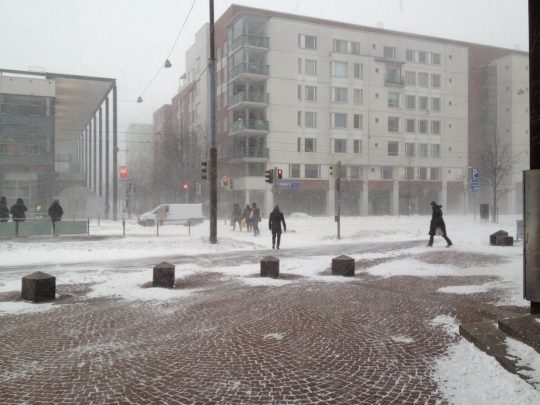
{"x": 364, "y": 340}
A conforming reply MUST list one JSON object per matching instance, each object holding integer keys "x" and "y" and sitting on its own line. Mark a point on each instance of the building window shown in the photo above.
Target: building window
{"x": 356, "y": 172}
{"x": 409, "y": 173}
{"x": 435, "y": 150}
{"x": 310, "y": 119}
{"x": 393, "y": 148}
{"x": 340, "y": 46}
{"x": 340, "y": 94}
{"x": 340, "y": 120}
{"x": 422, "y": 149}
{"x": 307, "y": 41}
{"x": 409, "y": 55}
{"x": 387, "y": 173}
{"x": 311, "y": 67}
{"x": 410, "y": 102}
{"x": 357, "y": 121}
{"x": 294, "y": 170}
{"x": 422, "y": 173}
{"x": 310, "y": 145}
{"x": 422, "y": 57}
{"x": 410, "y": 125}
{"x": 423, "y": 79}
{"x": 409, "y": 149}
{"x": 422, "y": 126}
{"x": 393, "y": 99}
{"x": 434, "y": 173}
{"x": 312, "y": 171}
{"x": 355, "y": 48}
{"x": 435, "y": 104}
{"x": 436, "y": 81}
{"x": 422, "y": 103}
{"x": 299, "y": 118}
{"x": 311, "y": 93}
{"x": 436, "y": 58}
{"x": 299, "y": 92}
{"x": 358, "y": 96}
{"x": 340, "y": 145}
{"x": 357, "y": 146}
{"x": 340, "y": 69}
{"x": 357, "y": 71}
{"x": 298, "y": 144}
{"x": 198, "y": 110}
{"x": 393, "y": 124}
{"x": 389, "y": 52}
{"x": 436, "y": 127}
{"x": 299, "y": 66}
{"x": 410, "y": 78}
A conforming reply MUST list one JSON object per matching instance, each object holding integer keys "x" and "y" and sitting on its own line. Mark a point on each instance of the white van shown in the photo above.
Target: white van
{"x": 177, "y": 214}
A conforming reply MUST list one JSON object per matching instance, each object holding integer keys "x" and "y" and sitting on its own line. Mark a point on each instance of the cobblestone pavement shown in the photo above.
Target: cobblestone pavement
{"x": 367, "y": 340}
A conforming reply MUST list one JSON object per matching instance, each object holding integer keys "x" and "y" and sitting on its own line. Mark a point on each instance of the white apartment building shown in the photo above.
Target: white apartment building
{"x": 301, "y": 94}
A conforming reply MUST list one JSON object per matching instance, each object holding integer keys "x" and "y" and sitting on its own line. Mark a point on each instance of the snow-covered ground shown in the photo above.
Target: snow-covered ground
{"x": 461, "y": 380}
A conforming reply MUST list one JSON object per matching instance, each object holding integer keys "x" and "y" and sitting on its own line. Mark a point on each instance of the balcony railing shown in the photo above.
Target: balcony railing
{"x": 240, "y": 153}
{"x": 250, "y": 68}
{"x": 394, "y": 80}
{"x": 252, "y": 40}
{"x": 257, "y": 125}
{"x": 251, "y": 96}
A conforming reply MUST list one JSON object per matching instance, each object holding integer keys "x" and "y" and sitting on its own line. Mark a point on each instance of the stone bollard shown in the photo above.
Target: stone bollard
{"x": 270, "y": 267}
{"x": 493, "y": 237}
{"x": 505, "y": 241}
{"x": 163, "y": 275}
{"x": 38, "y": 287}
{"x": 343, "y": 266}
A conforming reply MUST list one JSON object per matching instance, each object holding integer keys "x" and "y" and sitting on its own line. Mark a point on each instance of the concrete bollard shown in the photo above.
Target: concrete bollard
{"x": 343, "y": 266}
{"x": 270, "y": 267}
{"x": 493, "y": 237}
{"x": 38, "y": 287}
{"x": 163, "y": 275}
{"x": 505, "y": 241}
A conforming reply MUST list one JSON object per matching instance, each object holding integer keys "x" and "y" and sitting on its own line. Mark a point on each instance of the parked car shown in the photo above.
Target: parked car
{"x": 177, "y": 214}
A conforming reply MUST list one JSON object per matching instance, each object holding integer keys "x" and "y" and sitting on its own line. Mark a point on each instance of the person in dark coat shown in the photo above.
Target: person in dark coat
{"x": 55, "y": 211}
{"x": 236, "y": 217}
{"x": 274, "y": 223}
{"x": 4, "y": 210}
{"x": 18, "y": 211}
{"x": 247, "y": 217}
{"x": 255, "y": 219}
{"x": 437, "y": 222}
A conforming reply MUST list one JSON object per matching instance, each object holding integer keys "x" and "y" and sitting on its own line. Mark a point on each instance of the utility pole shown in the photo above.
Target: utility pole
{"x": 213, "y": 143}
{"x": 338, "y": 210}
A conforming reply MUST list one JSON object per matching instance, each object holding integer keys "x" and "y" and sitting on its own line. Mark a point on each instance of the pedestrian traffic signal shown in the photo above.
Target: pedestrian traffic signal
{"x": 225, "y": 182}
{"x": 269, "y": 176}
{"x": 204, "y": 170}
{"x": 279, "y": 174}
{"x": 186, "y": 187}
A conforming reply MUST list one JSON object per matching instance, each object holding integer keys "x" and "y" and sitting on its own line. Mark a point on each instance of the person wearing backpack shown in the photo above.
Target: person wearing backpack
{"x": 437, "y": 225}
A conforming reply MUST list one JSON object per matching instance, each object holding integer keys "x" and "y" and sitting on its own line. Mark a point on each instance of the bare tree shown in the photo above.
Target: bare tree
{"x": 464, "y": 179}
{"x": 411, "y": 186}
{"x": 498, "y": 161}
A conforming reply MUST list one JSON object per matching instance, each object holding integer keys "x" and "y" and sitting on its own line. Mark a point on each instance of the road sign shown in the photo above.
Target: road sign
{"x": 128, "y": 193}
{"x": 474, "y": 174}
{"x": 289, "y": 185}
{"x": 474, "y": 188}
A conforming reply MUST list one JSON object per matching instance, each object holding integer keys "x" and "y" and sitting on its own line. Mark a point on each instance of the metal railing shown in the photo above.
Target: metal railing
{"x": 248, "y": 39}
{"x": 250, "y": 68}
{"x": 394, "y": 80}
{"x": 240, "y": 153}
{"x": 252, "y": 96}
{"x": 257, "y": 125}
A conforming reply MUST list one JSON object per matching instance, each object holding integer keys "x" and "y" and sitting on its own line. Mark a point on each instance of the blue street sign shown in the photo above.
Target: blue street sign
{"x": 128, "y": 193}
{"x": 474, "y": 188}
{"x": 474, "y": 174}
{"x": 289, "y": 185}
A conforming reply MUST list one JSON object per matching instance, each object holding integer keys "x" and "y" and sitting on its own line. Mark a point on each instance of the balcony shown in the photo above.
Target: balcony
{"x": 247, "y": 68}
{"x": 249, "y": 40}
{"x": 242, "y": 153}
{"x": 249, "y": 126}
{"x": 391, "y": 80}
{"x": 249, "y": 97}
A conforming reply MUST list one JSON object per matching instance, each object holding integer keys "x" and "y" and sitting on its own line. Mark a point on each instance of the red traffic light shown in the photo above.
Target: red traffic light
{"x": 280, "y": 174}
{"x": 123, "y": 172}
{"x": 186, "y": 186}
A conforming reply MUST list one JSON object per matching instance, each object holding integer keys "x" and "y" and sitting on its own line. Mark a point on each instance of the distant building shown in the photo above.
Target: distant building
{"x": 139, "y": 162}
{"x": 401, "y": 112}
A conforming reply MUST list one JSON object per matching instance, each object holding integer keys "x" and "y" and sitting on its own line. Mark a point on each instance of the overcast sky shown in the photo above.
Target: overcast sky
{"x": 130, "y": 39}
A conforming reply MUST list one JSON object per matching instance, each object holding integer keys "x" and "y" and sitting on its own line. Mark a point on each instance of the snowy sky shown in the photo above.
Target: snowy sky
{"x": 130, "y": 39}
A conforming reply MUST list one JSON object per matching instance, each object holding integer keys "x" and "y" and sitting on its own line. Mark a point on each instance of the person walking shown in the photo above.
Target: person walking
{"x": 246, "y": 216}
{"x": 161, "y": 215}
{"x": 274, "y": 223}
{"x": 255, "y": 219}
{"x": 4, "y": 210}
{"x": 18, "y": 210}
{"x": 437, "y": 222}
{"x": 236, "y": 217}
{"x": 55, "y": 211}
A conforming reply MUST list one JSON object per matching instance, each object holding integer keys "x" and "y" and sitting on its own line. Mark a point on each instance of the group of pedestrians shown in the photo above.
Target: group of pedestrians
{"x": 18, "y": 211}
{"x": 251, "y": 216}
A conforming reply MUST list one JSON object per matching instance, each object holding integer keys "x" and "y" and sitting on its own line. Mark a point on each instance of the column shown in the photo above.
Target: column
{"x": 115, "y": 156}
{"x": 94, "y": 164}
{"x": 100, "y": 182}
{"x": 395, "y": 198}
{"x": 107, "y": 162}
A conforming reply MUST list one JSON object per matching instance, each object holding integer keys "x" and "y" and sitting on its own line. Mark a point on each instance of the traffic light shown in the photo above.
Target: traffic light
{"x": 186, "y": 187}
{"x": 225, "y": 182}
{"x": 269, "y": 176}
{"x": 334, "y": 170}
{"x": 204, "y": 170}
{"x": 230, "y": 184}
{"x": 199, "y": 189}
{"x": 279, "y": 174}
{"x": 133, "y": 187}
{"x": 123, "y": 172}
